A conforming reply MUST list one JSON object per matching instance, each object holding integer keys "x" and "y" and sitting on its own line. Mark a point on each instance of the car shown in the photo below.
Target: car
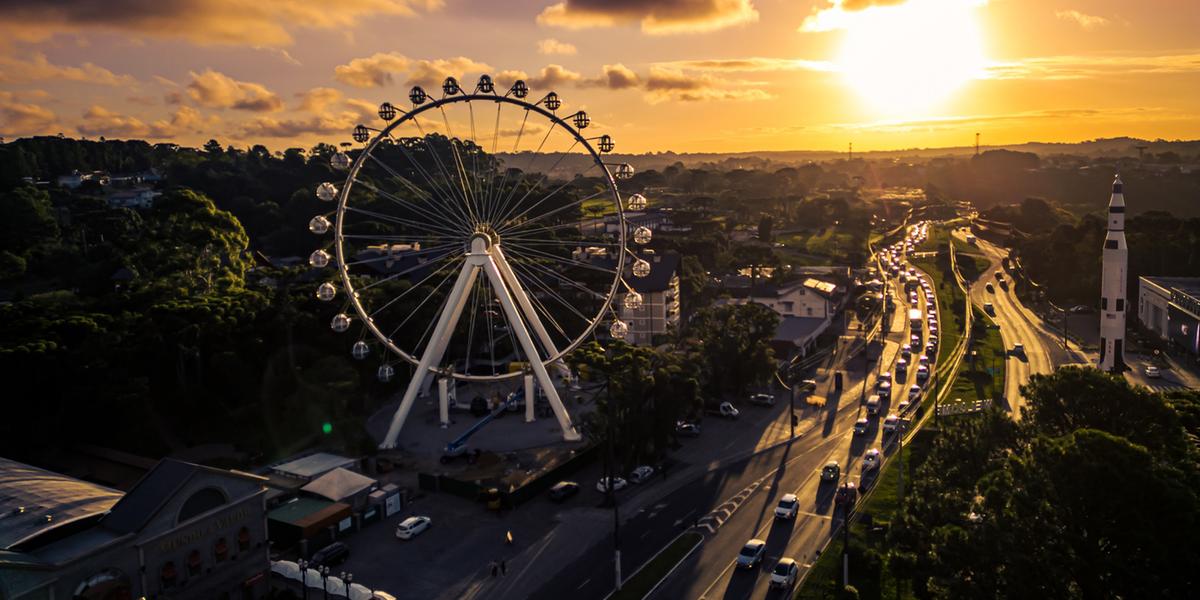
{"x": 891, "y": 423}
{"x": 931, "y": 348}
{"x": 885, "y": 376}
{"x": 563, "y": 490}
{"x": 915, "y": 339}
{"x": 831, "y": 471}
{"x": 752, "y": 554}
{"x": 906, "y": 351}
{"x": 999, "y": 275}
{"x": 884, "y": 389}
{"x": 412, "y": 527}
{"x": 861, "y": 426}
{"x": 762, "y": 399}
{"x": 901, "y": 367}
{"x": 788, "y": 506}
{"x": 807, "y": 386}
{"x": 618, "y": 484}
{"x": 1081, "y": 309}
{"x": 728, "y": 410}
{"x": 687, "y": 429}
{"x": 871, "y": 459}
{"x": 873, "y": 404}
{"x": 333, "y": 554}
{"x": 989, "y": 309}
{"x": 846, "y": 495}
{"x": 924, "y": 360}
{"x": 1152, "y": 372}
{"x": 784, "y": 575}
{"x": 903, "y": 406}
{"x": 1018, "y": 349}
{"x": 922, "y": 373}
{"x": 912, "y": 301}
{"x": 914, "y": 392}
{"x": 641, "y": 473}
{"x": 990, "y": 289}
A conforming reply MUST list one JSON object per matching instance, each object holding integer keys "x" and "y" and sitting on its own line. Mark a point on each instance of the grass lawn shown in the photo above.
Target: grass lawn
{"x": 868, "y": 571}
{"x": 973, "y": 381}
{"x": 639, "y": 585}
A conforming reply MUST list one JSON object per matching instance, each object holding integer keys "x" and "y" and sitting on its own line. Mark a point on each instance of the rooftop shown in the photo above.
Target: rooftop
{"x": 34, "y": 500}
{"x": 338, "y": 484}
{"x": 1188, "y": 285}
{"x": 313, "y": 465}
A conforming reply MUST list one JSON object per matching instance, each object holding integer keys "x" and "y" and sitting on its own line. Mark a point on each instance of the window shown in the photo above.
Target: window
{"x": 1120, "y": 304}
{"x": 169, "y": 574}
{"x": 808, "y": 309}
{"x": 243, "y": 540}
{"x": 200, "y": 503}
{"x": 1110, "y": 244}
{"x": 194, "y": 563}
{"x": 221, "y": 550}
{"x": 1104, "y": 304}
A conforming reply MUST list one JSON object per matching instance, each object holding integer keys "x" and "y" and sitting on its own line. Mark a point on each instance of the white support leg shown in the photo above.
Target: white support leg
{"x": 444, "y": 401}
{"x": 451, "y": 311}
{"x": 530, "y": 399}
{"x": 529, "y": 348}
{"x": 518, "y": 293}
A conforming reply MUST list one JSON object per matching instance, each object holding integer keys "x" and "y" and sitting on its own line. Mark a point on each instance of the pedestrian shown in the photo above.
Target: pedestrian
{"x": 495, "y": 568}
{"x": 503, "y": 567}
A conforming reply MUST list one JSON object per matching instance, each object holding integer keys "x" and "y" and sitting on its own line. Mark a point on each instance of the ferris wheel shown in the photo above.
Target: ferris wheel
{"x": 477, "y": 237}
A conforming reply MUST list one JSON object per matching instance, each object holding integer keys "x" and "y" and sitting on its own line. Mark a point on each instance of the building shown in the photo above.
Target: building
{"x": 134, "y": 198}
{"x": 659, "y": 312}
{"x": 805, "y": 310}
{"x": 1170, "y": 308}
{"x": 312, "y": 466}
{"x": 1112, "y": 284}
{"x": 183, "y": 531}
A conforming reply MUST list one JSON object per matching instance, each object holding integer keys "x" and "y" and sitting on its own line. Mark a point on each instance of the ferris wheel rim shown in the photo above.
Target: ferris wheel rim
{"x": 385, "y": 133}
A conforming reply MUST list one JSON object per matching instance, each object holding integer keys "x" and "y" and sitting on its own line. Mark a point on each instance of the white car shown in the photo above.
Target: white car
{"x": 870, "y": 459}
{"x": 618, "y": 484}
{"x": 641, "y": 474}
{"x": 412, "y": 526}
{"x": 861, "y": 426}
{"x": 784, "y": 574}
{"x": 1153, "y": 373}
{"x": 788, "y": 506}
{"x": 752, "y": 554}
{"x": 762, "y": 399}
{"x": 873, "y": 405}
{"x": 891, "y": 423}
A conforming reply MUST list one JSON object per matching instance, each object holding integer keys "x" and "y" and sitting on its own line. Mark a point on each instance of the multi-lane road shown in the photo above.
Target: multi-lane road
{"x": 711, "y": 572}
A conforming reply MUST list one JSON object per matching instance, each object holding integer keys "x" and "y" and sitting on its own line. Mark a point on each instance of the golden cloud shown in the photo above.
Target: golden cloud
{"x": 264, "y": 23}
{"x": 1086, "y": 67}
{"x": 217, "y": 90}
{"x": 381, "y": 69}
{"x": 317, "y": 99}
{"x": 39, "y": 68}
{"x": 18, "y": 117}
{"x": 664, "y": 84}
{"x": 654, "y": 16}
{"x": 553, "y": 46}
{"x": 1083, "y": 20}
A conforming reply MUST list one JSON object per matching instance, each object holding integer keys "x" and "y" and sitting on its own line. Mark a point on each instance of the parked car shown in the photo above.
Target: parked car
{"x": 563, "y": 490}
{"x": 1152, "y": 372}
{"x": 752, "y": 554}
{"x": 762, "y": 399}
{"x": 831, "y": 471}
{"x": 788, "y": 506}
{"x": 641, "y": 474}
{"x": 861, "y": 426}
{"x": 333, "y": 554}
{"x": 412, "y": 527}
{"x": 618, "y": 484}
{"x": 687, "y": 429}
{"x": 870, "y": 459}
{"x": 784, "y": 575}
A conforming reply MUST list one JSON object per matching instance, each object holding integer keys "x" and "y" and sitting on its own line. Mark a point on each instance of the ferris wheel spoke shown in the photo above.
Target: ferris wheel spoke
{"x": 447, "y": 189}
{"x": 558, "y": 297}
{"x": 541, "y": 180}
{"x": 456, "y": 195}
{"x": 402, "y": 221}
{"x": 515, "y": 224}
{"x": 492, "y": 175}
{"x": 570, "y": 282}
{"x": 401, "y": 202}
{"x": 460, "y": 171}
{"x": 524, "y": 172}
{"x": 381, "y": 237}
{"x": 416, "y": 310}
{"x": 414, "y": 187}
{"x": 444, "y": 249}
{"x": 399, "y": 274}
{"x": 522, "y": 250}
{"x": 412, "y": 287}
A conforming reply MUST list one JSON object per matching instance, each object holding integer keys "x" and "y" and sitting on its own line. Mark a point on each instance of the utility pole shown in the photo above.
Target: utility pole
{"x": 612, "y": 493}
{"x": 977, "y": 144}
{"x": 846, "y": 508}
{"x": 850, "y": 153}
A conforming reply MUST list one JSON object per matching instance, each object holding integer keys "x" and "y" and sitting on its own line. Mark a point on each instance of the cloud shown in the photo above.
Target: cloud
{"x": 270, "y": 127}
{"x": 552, "y": 76}
{"x": 751, "y": 64}
{"x": 100, "y": 121}
{"x": 262, "y": 23}
{"x": 553, "y": 46}
{"x": 372, "y": 71}
{"x": 619, "y": 77}
{"x": 1087, "y": 67}
{"x": 838, "y": 14}
{"x": 1085, "y": 21}
{"x": 39, "y": 68}
{"x": 185, "y": 120}
{"x": 669, "y": 84}
{"x": 655, "y": 16}
{"x": 217, "y": 90}
{"x": 18, "y": 117}
{"x": 364, "y": 110}
{"x": 317, "y": 99}
{"x": 382, "y": 69}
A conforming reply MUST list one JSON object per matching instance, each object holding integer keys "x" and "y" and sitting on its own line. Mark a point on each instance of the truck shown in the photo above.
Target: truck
{"x": 915, "y": 319}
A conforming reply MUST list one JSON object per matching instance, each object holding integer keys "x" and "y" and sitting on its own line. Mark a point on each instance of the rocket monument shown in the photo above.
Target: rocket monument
{"x": 1112, "y": 285}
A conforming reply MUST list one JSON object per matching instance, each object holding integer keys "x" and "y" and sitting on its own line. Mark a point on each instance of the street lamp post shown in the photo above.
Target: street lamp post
{"x": 325, "y": 581}
{"x": 303, "y": 564}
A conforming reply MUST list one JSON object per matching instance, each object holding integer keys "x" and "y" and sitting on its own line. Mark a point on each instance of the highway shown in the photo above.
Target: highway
{"x": 710, "y": 572}
{"x": 1017, "y": 325}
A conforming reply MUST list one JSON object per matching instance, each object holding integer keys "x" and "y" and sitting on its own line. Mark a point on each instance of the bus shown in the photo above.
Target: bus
{"x": 915, "y": 319}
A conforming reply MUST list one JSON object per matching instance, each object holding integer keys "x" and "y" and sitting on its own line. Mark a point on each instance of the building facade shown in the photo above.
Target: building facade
{"x": 183, "y": 531}
{"x": 659, "y": 312}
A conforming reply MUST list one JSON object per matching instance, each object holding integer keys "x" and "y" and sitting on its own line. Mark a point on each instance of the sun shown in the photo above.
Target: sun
{"x": 905, "y": 60}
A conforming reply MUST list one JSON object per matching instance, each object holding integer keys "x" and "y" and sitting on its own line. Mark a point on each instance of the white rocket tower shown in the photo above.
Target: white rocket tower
{"x": 1112, "y": 285}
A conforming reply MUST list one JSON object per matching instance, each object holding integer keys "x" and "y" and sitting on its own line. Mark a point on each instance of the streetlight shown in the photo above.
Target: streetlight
{"x": 325, "y": 581}
{"x": 303, "y": 564}
{"x": 347, "y": 579}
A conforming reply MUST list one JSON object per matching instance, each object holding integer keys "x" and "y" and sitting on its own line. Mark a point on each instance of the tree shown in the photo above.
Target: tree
{"x": 764, "y": 228}
{"x": 26, "y": 220}
{"x": 734, "y": 344}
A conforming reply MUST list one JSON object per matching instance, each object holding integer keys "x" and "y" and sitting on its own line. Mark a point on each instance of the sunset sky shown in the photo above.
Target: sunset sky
{"x": 683, "y": 75}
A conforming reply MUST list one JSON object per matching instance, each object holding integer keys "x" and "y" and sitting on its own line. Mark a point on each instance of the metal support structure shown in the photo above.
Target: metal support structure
{"x": 484, "y": 257}
{"x": 530, "y": 399}
{"x": 444, "y": 401}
